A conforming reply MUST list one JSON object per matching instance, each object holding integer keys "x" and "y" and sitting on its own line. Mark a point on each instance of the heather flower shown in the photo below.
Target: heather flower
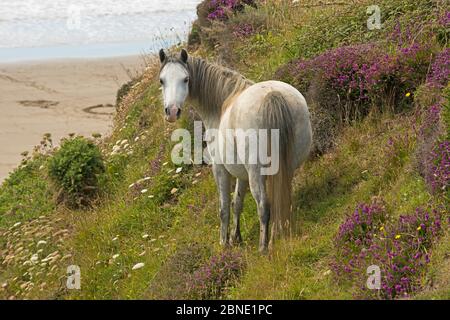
{"x": 444, "y": 20}
{"x": 402, "y": 254}
{"x": 434, "y": 151}
{"x": 437, "y": 167}
{"x": 243, "y": 30}
{"x": 219, "y": 9}
{"x": 440, "y": 69}
{"x": 359, "y": 76}
{"x": 213, "y": 278}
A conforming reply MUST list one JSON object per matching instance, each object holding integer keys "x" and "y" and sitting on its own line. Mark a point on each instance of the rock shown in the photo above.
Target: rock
{"x": 173, "y": 191}
{"x": 179, "y": 170}
{"x": 138, "y": 266}
{"x": 115, "y": 256}
{"x": 145, "y": 236}
{"x": 144, "y": 191}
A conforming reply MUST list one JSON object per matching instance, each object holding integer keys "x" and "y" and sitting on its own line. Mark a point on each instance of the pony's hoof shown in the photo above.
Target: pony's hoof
{"x": 263, "y": 250}
{"x": 236, "y": 240}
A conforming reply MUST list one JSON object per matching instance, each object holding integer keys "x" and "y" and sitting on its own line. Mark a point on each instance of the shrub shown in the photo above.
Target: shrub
{"x": 215, "y": 276}
{"x": 173, "y": 279}
{"x": 221, "y": 9}
{"x": 346, "y": 83}
{"x": 401, "y": 249}
{"x": 75, "y": 169}
{"x": 359, "y": 77}
{"x": 223, "y": 22}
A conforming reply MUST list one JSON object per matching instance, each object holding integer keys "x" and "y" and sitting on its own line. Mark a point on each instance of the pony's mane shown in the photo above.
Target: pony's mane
{"x": 212, "y": 85}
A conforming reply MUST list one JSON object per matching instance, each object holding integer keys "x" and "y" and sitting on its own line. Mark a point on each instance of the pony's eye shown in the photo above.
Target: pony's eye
{"x": 186, "y": 80}
{"x": 161, "y": 81}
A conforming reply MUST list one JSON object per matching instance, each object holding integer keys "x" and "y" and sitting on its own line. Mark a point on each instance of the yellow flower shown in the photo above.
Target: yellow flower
{"x": 381, "y": 228}
{"x": 408, "y": 94}
{"x": 419, "y": 228}
{"x": 397, "y": 236}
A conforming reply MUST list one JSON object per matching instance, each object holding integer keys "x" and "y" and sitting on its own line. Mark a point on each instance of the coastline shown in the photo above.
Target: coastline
{"x": 57, "y": 96}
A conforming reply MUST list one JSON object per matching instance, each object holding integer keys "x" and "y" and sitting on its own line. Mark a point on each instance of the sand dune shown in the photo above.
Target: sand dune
{"x": 57, "y": 97}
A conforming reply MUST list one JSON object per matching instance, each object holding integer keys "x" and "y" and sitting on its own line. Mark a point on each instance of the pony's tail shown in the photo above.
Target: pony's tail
{"x": 277, "y": 115}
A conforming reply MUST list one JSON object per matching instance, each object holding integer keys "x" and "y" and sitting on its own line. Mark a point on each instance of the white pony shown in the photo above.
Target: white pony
{"x": 226, "y": 100}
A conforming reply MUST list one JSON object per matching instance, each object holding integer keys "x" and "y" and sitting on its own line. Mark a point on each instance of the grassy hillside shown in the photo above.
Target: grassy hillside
{"x": 151, "y": 230}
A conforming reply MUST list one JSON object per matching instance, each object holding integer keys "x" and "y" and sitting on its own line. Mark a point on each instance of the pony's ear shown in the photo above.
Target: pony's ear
{"x": 162, "y": 55}
{"x": 184, "y": 55}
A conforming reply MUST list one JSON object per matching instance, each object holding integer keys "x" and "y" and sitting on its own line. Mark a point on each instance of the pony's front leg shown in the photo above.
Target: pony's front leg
{"x": 257, "y": 184}
{"x": 223, "y": 181}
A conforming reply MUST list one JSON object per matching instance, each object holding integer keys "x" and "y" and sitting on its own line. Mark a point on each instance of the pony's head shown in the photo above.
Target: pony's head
{"x": 174, "y": 78}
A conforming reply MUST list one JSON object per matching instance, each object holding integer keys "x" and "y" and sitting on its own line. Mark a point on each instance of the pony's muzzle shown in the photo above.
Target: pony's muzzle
{"x": 172, "y": 113}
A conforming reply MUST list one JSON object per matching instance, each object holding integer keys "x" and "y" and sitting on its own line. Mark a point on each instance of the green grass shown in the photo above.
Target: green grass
{"x": 26, "y": 194}
{"x": 325, "y": 190}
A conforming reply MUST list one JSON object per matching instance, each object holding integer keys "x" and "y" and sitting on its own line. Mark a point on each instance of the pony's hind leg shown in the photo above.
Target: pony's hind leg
{"x": 257, "y": 184}
{"x": 223, "y": 181}
{"x": 238, "y": 203}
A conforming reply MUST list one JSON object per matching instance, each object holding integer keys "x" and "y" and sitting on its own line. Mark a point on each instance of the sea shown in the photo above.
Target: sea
{"x": 48, "y": 29}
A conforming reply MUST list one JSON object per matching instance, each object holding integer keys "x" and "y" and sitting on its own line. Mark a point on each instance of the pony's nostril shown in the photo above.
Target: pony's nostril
{"x": 178, "y": 112}
{"x": 167, "y": 111}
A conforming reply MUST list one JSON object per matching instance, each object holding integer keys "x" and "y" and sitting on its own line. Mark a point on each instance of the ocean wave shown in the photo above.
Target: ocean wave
{"x": 133, "y": 21}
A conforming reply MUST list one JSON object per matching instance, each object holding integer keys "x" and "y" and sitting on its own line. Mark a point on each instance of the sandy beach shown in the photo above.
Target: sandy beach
{"x": 57, "y": 97}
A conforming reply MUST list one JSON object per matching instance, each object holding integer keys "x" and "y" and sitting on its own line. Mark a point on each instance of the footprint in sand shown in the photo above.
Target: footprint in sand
{"x": 100, "y": 109}
{"x": 44, "y": 104}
